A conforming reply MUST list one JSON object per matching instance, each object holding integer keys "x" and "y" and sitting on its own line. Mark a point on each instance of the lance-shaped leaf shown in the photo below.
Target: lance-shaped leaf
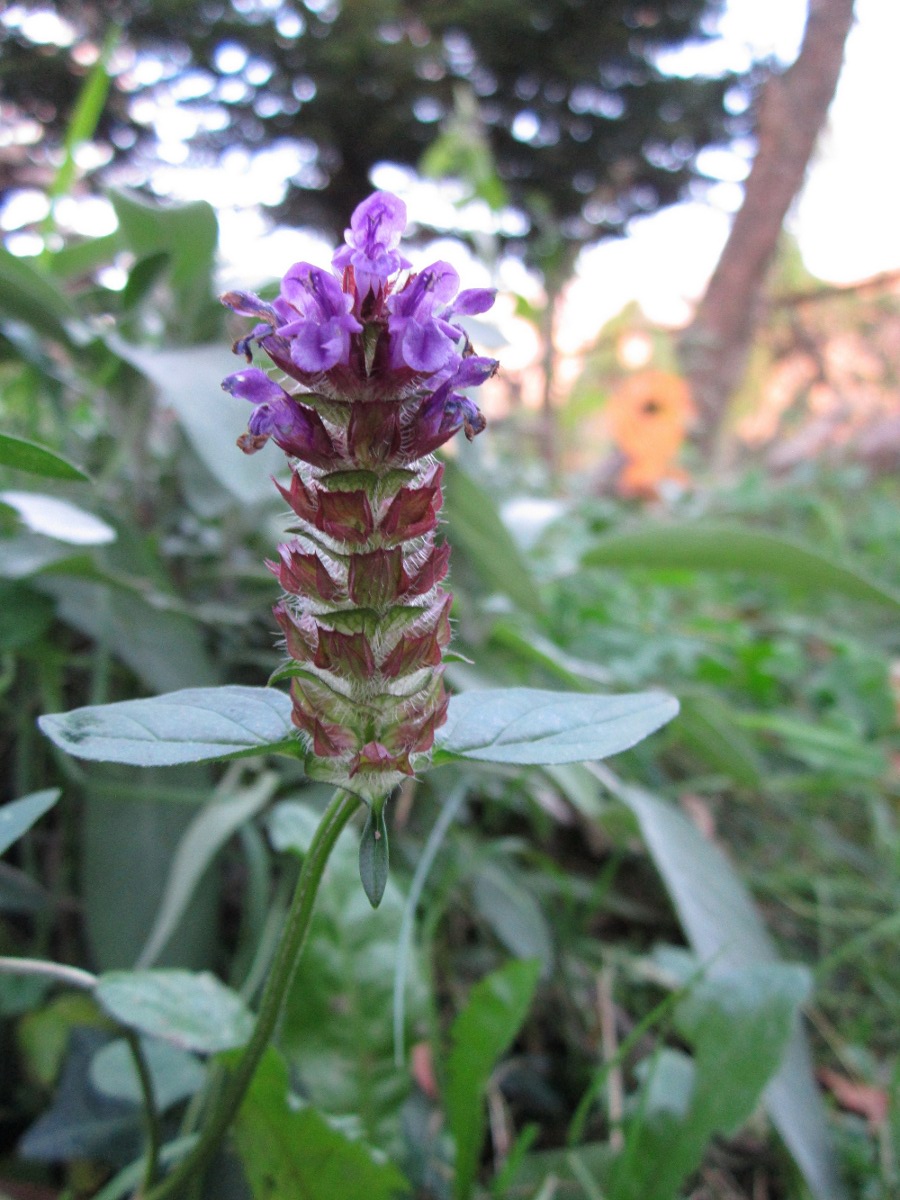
{"x": 36, "y": 460}
{"x": 529, "y": 727}
{"x": 194, "y": 725}
{"x": 18, "y": 817}
{"x": 709, "y": 547}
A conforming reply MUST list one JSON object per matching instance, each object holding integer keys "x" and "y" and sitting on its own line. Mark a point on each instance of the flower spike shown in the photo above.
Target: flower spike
{"x": 373, "y": 368}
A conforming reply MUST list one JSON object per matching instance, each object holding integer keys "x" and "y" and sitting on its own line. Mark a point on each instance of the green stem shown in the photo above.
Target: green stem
{"x": 151, "y": 1113}
{"x": 296, "y": 927}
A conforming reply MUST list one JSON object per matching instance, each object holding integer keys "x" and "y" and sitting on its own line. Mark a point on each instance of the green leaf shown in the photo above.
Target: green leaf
{"x": 17, "y": 817}
{"x": 193, "y": 1011}
{"x": 82, "y": 1123}
{"x": 86, "y": 115}
{"x": 291, "y": 1154}
{"x": 43, "y": 1035}
{"x": 711, "y": 730}
{"x": 164, "y": 649}
{"x": 738, "y": 1023}
{"x": 188, "y": 233}
{"x": 26, "y": 294}
{"x": 132, "y": 823}
{"x": 194, "y": 725}
{"x": 736, "y": 548}
{"x": 821, "y": 746}
{"x": 509, "y": 908}
{"x": 36, "y": 460}
{"x": 190, "y": 383}
{"x": 374, "y": 858}
{"x": 30, "y": 553}
{"x": 725, "y": 930}
{"x": 477, "y": 530}
{"x": 204, "y": 838}
{"x": 142, "y": 278}
{"x": 175, "y": 1073}
{"x": 337, "y": 1029}
{"x": 480, "y": 1035}
{"x": 529, "y": 727}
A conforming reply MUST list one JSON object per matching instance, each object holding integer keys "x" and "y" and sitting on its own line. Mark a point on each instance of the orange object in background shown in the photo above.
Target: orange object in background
{"x": 648, "y": 417}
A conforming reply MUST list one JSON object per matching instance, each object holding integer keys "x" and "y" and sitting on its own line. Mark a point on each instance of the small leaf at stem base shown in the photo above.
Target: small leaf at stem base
{"x": 373, "y": 855}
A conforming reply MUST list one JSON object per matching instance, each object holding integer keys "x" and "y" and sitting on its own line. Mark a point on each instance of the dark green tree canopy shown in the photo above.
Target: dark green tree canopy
{"x": 569, "y": 103}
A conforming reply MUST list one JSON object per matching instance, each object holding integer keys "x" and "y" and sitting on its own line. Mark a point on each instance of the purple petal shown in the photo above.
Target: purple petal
{"x": 474, "y": 370}
{"x": 317, "y": 348}
{"x": 380, "y": 219}
{"x": 253, "y": 385}
{"x": 246, "y": 304}
{"x": 424, "y": 347}
{"x": 437, "y": 284}
{"x": 314, "y": 292}
{"x": 372, "y": 240}
{"x": 473, "y": 300}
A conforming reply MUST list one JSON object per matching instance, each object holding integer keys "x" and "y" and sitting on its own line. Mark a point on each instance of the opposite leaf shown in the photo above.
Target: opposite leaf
{"x": 528, "y": 727}
{"x": 194, "y": 725}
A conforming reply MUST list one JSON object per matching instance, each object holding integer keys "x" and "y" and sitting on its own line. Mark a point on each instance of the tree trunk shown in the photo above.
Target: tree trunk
{"x": 792, "y": 110}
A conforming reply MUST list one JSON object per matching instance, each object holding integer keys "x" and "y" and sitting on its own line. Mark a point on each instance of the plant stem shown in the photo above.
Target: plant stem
{"x": 151, "y": 1113}
{"x": 342, "y": 807}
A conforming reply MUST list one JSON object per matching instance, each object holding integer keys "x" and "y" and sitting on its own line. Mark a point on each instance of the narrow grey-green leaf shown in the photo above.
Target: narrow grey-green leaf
{"x": 18, "y": 816}
{"x": 738, "y": 1023}
{"x": 194, "y": 725}
{"x": 374, "y": 862}
{"x": 483, "y": 1031}
{"x": 206, "y": 835}
{"x": 701, "y": 546}
{"x": 28, "y": 456}
{"x": 510, "y": 909}
{"x": 724, "y": 928}
{"x": 526, "y": 726}
{"x": 194, "y": 1011}
{"x": 190, "y": 383}
{"x": 478, "y": 531}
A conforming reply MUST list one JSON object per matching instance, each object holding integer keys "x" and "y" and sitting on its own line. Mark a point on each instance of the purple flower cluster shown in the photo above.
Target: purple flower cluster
{"x": 374, "y": 367}
{"x": 371, "y": 333}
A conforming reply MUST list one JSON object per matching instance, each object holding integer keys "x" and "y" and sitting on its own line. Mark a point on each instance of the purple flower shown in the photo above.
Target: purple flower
{"x": 420, "y": 338}
{"x": 320, "y": 333}
{"x": 372, "y": 240}
{"x": 298, "y": 430}
{"x": 445, "y": 411}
